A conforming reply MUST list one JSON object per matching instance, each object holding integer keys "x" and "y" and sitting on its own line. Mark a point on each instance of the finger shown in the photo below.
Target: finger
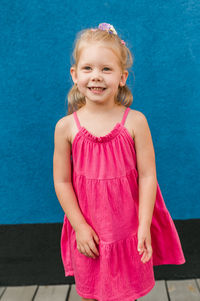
{"x": 147, "y": 258}
{"x": 88, "y": 251}
{"x": 93, "y": 248}
{"x": 81, "y": 249}
{"x": 147, "y": 254}
{"x": 149, "y": 249}
{"x": 144, "y": 251}
{"x": 96, "y": 238}
{"x": 150, "y": 252}
{"x": 143, "y": 256}
{"x": 140, "y": 247}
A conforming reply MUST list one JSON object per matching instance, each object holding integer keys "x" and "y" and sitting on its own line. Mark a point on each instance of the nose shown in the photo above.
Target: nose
{"x": 96, "y": 75}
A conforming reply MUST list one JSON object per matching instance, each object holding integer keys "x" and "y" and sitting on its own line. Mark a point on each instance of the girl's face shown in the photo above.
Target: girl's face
{"x": 98, "y": 73}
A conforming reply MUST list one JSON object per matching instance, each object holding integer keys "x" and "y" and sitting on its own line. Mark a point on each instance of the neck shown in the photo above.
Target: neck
{"x": 99, "y": 108}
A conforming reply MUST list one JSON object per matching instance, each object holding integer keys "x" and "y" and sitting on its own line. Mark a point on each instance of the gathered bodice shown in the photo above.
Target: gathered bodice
{"x": 93, "y": 155}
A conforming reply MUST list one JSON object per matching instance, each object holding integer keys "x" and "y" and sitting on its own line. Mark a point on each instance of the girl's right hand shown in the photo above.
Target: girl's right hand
{"x": 86, "y": 238}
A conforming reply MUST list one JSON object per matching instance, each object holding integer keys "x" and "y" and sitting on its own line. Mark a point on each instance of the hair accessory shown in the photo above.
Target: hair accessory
{"x": 109, "y": 28}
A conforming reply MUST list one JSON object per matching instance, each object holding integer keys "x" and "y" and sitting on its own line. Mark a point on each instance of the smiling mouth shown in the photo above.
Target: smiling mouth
{"x": 96, "y": 88}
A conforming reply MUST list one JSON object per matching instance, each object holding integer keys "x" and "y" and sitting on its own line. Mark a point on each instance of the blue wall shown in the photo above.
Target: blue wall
{"x": 37, "y": 40}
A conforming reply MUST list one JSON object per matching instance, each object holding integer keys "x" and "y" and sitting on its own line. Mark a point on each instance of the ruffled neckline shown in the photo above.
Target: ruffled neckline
{"x": 104, "y": 138}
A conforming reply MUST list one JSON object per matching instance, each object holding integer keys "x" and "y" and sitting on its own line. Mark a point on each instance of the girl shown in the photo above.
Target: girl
{"x": 116, "y": 225}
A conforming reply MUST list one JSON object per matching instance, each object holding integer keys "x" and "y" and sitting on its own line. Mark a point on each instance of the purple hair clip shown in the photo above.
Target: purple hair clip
{"x": 109, "y": 28}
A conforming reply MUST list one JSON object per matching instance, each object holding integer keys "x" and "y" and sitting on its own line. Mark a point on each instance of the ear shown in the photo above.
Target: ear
{"x": 123, "y": 79}
{"x": 73, "y": 74}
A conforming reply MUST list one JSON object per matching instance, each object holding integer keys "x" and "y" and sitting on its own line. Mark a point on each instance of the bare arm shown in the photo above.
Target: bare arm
{"x": 62, "y": 176}
{"x": 146, "y": 170}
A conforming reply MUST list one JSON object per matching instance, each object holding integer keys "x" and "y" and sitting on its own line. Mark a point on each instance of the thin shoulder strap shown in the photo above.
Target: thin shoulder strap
{"x": 122, "y": 122}
{"x": 76, "y": 120}
{"x": 125, "y": 115}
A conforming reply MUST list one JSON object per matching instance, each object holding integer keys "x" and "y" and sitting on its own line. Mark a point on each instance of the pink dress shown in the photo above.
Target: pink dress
{"x": 105, "y": 181}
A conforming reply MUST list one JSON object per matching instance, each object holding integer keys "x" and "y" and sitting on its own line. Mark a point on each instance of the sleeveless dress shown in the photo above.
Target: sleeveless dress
{"x": 105, "y": 181}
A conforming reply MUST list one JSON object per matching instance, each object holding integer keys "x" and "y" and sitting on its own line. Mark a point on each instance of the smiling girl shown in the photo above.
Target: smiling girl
{"x": 116, "y": 225}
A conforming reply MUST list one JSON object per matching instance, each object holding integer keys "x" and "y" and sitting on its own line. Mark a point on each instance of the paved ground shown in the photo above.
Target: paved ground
{"x": 170, "y": 290}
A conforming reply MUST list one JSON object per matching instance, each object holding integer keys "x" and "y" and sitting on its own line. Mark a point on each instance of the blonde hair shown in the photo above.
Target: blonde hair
{"x": 124, "y": 96}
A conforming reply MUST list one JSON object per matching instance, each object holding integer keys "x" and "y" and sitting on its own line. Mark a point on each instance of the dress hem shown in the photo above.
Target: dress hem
{"x": 69, "y": 273}
{"x": 127, "y": 298}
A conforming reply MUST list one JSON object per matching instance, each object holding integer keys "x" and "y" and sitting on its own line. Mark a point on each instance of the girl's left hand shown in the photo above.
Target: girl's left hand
{"x": 144, "y": 243}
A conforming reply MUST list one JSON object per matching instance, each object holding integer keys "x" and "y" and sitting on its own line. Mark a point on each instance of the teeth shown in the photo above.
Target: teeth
{"x": 96, "y": 88}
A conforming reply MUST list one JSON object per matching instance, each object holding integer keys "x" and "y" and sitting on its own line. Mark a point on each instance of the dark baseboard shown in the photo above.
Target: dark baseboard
{"x": 30, "y": 254}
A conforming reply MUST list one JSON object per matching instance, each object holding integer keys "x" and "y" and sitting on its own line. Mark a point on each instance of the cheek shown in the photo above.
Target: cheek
{"x": 83, "y": 79}
{"x": 115, "y": 83}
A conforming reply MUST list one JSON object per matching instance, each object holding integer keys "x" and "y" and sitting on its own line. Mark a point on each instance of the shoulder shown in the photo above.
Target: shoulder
{"x": 138, "y": 121}
{"x": 137, "y": 116}
{"x": 63, "y": 127}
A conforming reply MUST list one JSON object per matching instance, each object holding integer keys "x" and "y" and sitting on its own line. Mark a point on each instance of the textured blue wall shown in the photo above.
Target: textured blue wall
{"x": 36, "y": 45}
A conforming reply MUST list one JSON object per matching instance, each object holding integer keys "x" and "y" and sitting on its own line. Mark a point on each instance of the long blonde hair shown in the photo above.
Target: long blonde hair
{"x": 124, "y": 96}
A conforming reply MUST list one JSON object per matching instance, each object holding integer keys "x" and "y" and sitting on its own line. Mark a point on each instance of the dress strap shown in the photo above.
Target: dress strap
{"x": 76, "y": 120}
{"x": 122, "y": 122}
{"x": 125, "y": 115}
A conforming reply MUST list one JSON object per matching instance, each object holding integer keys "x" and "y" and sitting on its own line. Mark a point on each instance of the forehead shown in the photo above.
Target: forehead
{"x": 98, "y": 51}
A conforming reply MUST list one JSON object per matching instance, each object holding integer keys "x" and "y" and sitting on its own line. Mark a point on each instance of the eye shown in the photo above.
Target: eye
{"x": 86, "y": 67}
{"x": 106, "y": 69}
